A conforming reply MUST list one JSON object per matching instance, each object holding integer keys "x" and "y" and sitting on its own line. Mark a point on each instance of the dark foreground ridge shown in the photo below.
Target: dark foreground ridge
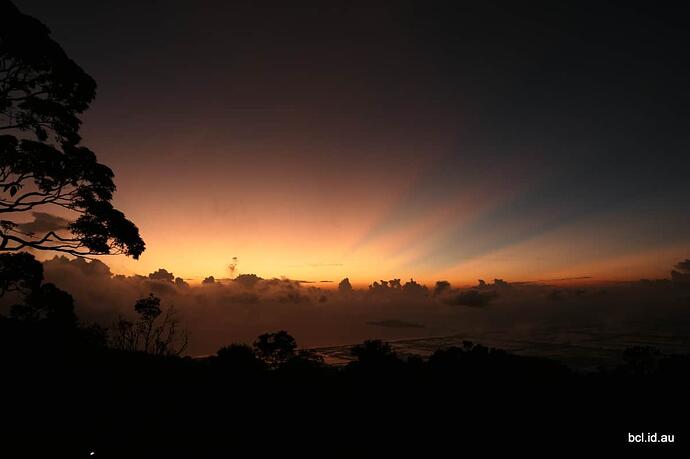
{"x": 67, "y": 390}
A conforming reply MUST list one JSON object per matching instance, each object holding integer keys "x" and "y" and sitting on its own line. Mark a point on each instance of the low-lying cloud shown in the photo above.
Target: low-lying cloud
{"x": 221, "y": 311}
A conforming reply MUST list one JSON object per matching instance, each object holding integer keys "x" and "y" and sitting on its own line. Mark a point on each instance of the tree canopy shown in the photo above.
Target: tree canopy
{"x": 275, "y": 348}
{"x": 42, "y": 164}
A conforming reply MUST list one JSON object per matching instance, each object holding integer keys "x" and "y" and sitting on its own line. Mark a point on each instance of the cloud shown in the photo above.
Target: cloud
{"x": 241, "y": 309}
{"x": 232, "y": 267}
{"x": 683, "y": 266}
{"x": 94, "y": 268}
{"x": 394, "y": 288}
{"x": 44, "y": 223}
{"x": 394, "y": 323}
{"x": 344, "y": 286}
{"x": 163, "y": 275}
{"x": 441, "y": 287}
{"x": 247, "y": 281}
{"x": 472, "y": 298}
{"x": 561, "y": 279}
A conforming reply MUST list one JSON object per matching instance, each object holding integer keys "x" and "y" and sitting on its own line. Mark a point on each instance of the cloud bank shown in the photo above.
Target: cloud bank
{"x": 219, "y": 312}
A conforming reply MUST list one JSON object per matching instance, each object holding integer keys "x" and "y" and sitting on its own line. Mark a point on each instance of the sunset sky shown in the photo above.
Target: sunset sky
{"x": 379, "y": 142}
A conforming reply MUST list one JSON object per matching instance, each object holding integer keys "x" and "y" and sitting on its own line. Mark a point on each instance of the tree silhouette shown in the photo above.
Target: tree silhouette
{"x": 275, "y": 348}
{"x": 47, "y": 302}
{"x": 19, "y": 272}
{"x": 305, "y": 360}
{"x": 374, "y": 355}
{"x": 42, "y": 165}
{"x": 154, "y": 332}
{"x": 22, "y": 273}
{"x": 239, "y": 357}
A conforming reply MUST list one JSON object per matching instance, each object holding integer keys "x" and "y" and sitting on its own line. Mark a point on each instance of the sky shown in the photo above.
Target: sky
{"x": 374, "y": 141}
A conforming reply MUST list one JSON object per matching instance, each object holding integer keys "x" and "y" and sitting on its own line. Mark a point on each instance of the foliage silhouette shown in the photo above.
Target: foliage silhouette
{"x": 19, "y": 272}
{"x": 303, "y": 362}
{"x": 23, "y": 274}
{"x": 42, "y": 165}
{"x": 275, "y": 348}
{"x": 374, "y": 356}
{"x": 46, "y": 302}
{"x": 239, "y": 358}
{"x": 148, "y": 334}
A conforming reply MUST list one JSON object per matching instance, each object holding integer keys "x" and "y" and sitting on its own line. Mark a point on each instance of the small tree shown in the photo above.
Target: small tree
{"x": 275, "y": 348}
{"x": 154, "y": 332}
